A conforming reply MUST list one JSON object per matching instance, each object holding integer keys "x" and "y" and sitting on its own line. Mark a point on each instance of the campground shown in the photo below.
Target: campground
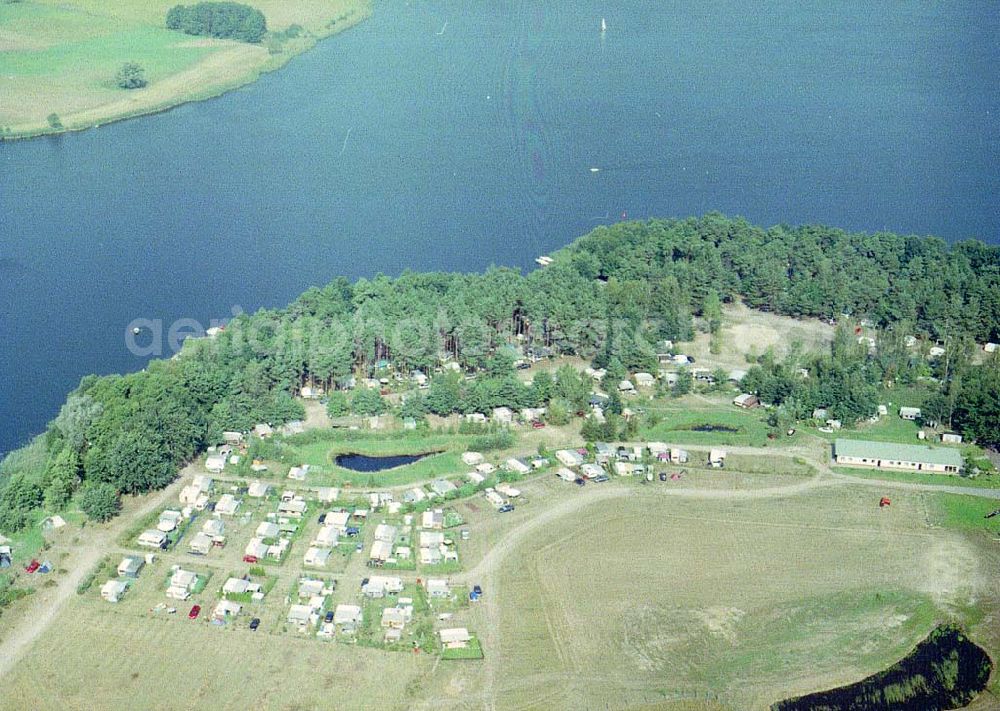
{"x": 723, "y": 589}
{"x": 709, "y": 589}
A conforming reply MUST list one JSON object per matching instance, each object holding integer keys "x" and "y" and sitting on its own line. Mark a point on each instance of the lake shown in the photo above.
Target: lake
{"x": 453, "y": 135}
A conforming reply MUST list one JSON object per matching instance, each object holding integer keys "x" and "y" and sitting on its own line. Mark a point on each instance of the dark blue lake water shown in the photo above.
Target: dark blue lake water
{"x": 364, "y": 463}
{"x": 409, "y": 142}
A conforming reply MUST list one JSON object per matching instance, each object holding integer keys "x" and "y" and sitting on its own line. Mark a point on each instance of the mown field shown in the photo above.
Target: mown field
{"x": 648, "y": 601}
{"x": 61, "y": 57}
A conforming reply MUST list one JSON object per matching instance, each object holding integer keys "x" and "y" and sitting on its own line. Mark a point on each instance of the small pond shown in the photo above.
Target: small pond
{"x": 709, "y": 428}
{"x": 365, "y": 463}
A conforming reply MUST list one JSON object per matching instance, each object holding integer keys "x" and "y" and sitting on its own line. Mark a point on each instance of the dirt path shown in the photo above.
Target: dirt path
{"x": 47, "y": 602}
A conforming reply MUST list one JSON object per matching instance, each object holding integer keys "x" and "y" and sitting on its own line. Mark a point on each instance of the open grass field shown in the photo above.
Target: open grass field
{"x": 106, "y": 658}
{"x": 736, "y": 603}
{"x": 705, "y": 421}
{"x": 61, "y": 57}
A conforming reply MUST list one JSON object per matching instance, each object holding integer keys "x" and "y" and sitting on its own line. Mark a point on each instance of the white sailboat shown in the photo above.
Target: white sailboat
{"x": 604, "y": 26}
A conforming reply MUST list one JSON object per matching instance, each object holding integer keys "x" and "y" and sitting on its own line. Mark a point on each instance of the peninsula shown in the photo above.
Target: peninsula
{"x": 77, "y": 64}
{"x": 736, "y": 467}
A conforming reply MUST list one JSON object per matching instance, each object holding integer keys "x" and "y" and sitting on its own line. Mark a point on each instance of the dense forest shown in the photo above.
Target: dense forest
{"x": 223, "y": 20}
{"x": 613, "y": 297}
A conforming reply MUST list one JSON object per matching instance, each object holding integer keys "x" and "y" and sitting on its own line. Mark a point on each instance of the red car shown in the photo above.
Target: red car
{"x": 195, "y": 611}
{"x": 537, "y": 424}
{"x": 32, "y": 566}
{"x": 249, "y": 559}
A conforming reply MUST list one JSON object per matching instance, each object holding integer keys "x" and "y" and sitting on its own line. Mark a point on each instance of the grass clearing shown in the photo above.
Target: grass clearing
{"x": 201, "y": 664}
{"x": 966, "y": 513}
{"x": 721, "y": 424}
{"x": 742, "y": 602}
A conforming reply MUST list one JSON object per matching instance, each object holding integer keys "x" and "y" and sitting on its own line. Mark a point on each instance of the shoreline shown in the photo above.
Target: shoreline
{"x": 204, "y": 93}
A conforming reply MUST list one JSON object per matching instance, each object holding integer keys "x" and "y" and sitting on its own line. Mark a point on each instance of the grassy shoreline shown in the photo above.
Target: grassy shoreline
{"x": 100, "y": 115}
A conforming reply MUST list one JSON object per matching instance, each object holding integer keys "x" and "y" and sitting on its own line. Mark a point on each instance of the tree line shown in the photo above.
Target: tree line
{"x": 612, "y": 297}
{"x": 223, "y": 20}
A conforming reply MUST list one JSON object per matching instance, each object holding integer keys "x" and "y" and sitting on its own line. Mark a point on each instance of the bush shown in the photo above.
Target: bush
{"x": 10, "y": 594}
{"x": 17, "y": 500}
{"x": 100, "y": 502}
{"x": 337, "y": 404}
{"x": 501, "y": 439}
{"x": 130, "y": 76}
{"x": 368, "y": 401}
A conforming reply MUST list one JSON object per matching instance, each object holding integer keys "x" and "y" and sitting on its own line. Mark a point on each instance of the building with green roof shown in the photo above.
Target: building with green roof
{"x": 890, "y": 455}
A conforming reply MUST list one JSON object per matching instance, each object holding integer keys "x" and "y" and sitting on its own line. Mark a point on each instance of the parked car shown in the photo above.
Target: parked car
{"x": 329, "y": 616}
{"x": 210, "y": 506}
{"x": 506, "y": 508}
{"x": 579, "y": 481}
{"x": 523, "y": 366}
{"x": 352, "y": 531}
{"x": 537, "y": 424}
{"x": 250, "y": 559}
{"x": 601, "y": 478}
{"x": 365, "y": 582}
{"x": 322, "y": 518}
{"x": 255, "y": 623}
{"x": 195, "y": 611}
{"x": 32, "y": 566}
{"x": 477, "y": 589}
{"x": 663, "y": 476}
{"x": 359, "y": 547}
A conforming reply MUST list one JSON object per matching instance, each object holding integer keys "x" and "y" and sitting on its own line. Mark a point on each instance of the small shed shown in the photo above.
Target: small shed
{"x": 227, "y": 505}
{"x": 113, "y": 590}
{"x": 316, "y": 557}
{"x": 437, "y": 587}
{"x": 472, "y": 458}
{"x": 347, "y": 615}
{"x": 153, "y": 539}
{"x": 717, "y": 458}
{"x": 200, "y": 544}
{"x": 645, "y": 380}
{"x": 503, "y": 415}
{"x": 130, "y": 566}
{"x": 455, "y": 638}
